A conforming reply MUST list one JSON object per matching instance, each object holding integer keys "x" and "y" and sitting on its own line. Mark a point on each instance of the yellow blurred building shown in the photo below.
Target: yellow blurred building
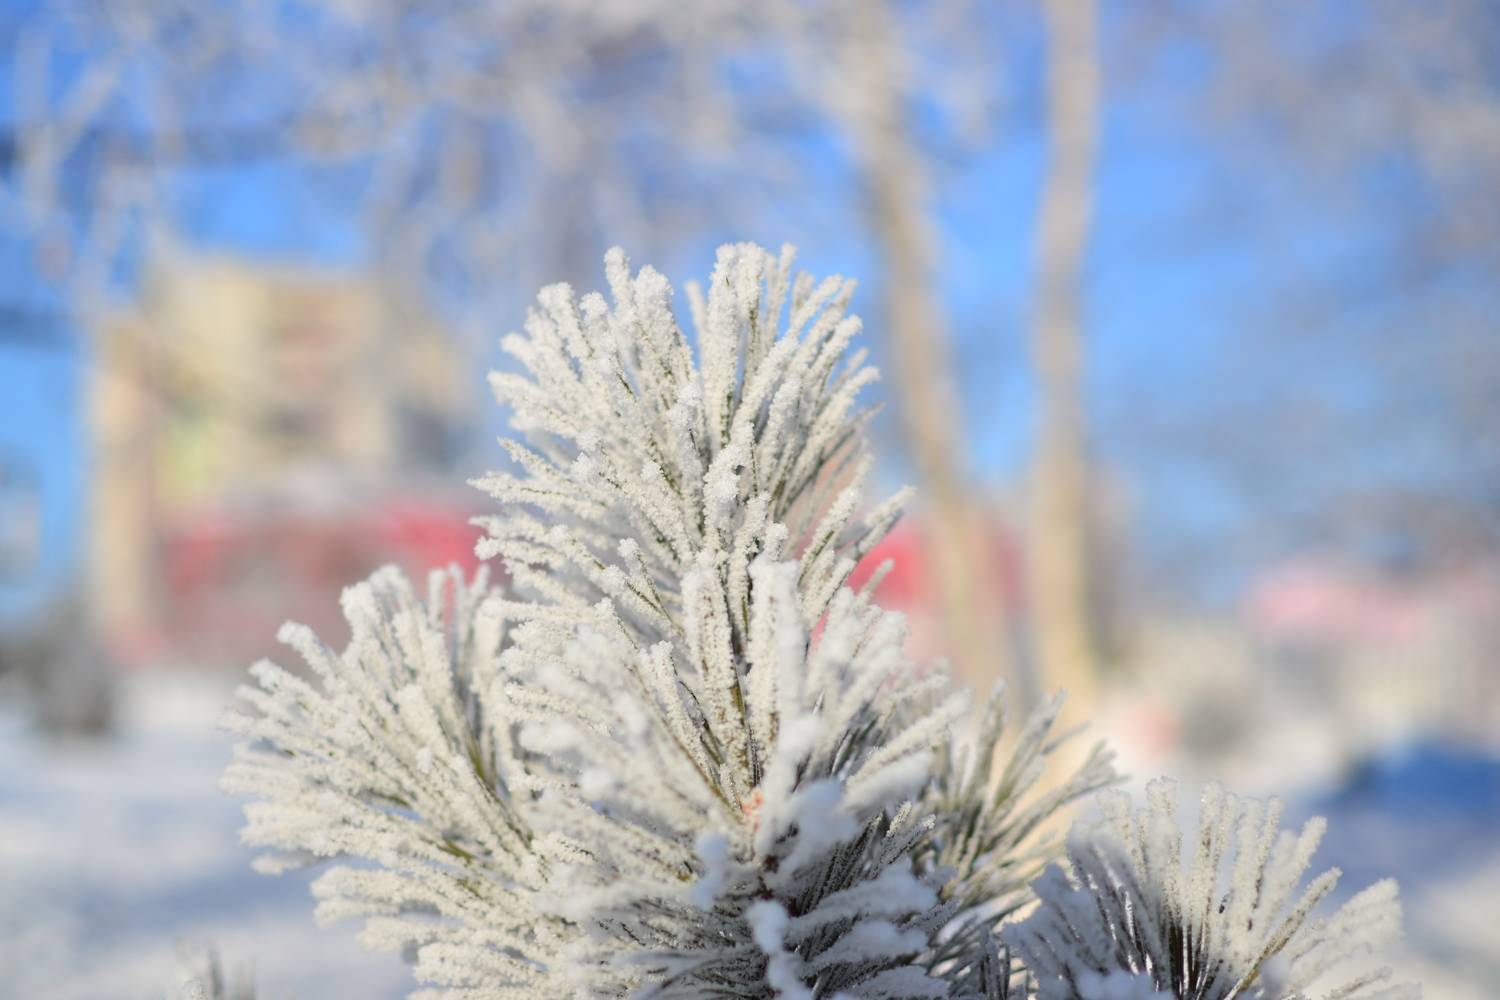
{"x": 235, "y": 389}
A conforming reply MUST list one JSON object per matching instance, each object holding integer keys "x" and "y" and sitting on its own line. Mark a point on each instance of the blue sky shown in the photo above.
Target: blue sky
{"x": 41, "y": 439}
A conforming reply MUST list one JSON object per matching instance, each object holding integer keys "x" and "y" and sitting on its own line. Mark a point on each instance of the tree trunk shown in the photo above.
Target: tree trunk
{"x": 1062, "y": 627}
{"x": 970, "y": 611}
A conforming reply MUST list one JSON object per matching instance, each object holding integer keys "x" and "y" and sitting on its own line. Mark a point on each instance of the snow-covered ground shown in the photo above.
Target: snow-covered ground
{"x": 1428, "y": 815}
{"x": 118, "y": 856}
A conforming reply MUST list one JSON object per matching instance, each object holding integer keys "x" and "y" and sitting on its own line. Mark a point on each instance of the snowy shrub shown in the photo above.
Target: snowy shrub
{"x": 679, "y": 757}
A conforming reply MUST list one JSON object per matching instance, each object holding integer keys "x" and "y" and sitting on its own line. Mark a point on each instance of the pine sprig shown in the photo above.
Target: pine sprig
{"x": 1137, "y": 918}
{"x": 640, "y": 466}
{"x": 681, "y": 757}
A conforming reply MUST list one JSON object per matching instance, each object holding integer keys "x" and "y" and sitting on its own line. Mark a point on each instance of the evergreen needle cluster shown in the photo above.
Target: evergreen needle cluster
{"x": 678, "y": 756}
{"x": 1138, "y": 920}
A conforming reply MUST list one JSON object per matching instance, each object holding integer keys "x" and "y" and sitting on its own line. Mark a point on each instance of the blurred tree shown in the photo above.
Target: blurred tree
{"x": 870, "y": 79}
{"x": 1061, "y": 536}
{"x": 1393, "y": 112}
{"x": 489, "y": 147}
{"x": 1356, "y": 152}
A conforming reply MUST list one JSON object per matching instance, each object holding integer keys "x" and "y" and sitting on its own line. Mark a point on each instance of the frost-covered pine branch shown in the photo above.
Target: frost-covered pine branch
{"x": 682, "y": 758}
{"x": 1138, "y": 920}
{"x": 640, "y": 466}
{"x": 399, "y": 755}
